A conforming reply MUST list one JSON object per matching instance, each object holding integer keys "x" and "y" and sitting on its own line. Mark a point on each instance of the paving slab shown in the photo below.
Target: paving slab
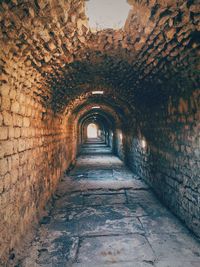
{"x": 162, "y": 224}
{"x": 115, "y": 249}
{"x": 70, "y": 201}
{"x": 102, "y": 226}
{"x": 140, "y": 196}
{"x": 175, "y": 247}
{"x": 154, "y": 208}
{"x": 104, "y": 199}
{"x": 60, "y": 223}
{"x": 55, "y": 248}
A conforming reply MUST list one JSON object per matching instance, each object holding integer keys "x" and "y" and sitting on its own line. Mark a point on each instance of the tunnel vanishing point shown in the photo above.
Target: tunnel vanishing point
{"x": 139, "y": 85}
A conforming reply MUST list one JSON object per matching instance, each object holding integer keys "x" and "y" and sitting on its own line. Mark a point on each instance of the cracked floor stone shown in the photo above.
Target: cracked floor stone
{"x": 106, "y": 216}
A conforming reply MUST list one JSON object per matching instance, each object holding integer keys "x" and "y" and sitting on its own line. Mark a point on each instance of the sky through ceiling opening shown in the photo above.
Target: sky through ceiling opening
{"x": 104, "y": 14}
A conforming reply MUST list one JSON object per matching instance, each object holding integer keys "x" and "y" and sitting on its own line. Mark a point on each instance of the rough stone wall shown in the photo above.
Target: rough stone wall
{"x": 110, "y": 139}
{"x": 36, "y": 145}
{"x": 35, "y": 148}
{"x": 49, "y": 59}
{"x": 119, "y": 143}
{"x": 165, "y": 151}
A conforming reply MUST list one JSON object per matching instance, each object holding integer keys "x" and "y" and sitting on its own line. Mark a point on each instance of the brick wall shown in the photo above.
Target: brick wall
{"x": 165, "y": 151}
{"x": 39, "y": 41}
{"x": 35, "y": 148}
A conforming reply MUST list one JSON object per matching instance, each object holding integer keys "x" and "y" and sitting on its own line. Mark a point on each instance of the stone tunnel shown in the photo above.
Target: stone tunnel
{"x": 139, "y": 86}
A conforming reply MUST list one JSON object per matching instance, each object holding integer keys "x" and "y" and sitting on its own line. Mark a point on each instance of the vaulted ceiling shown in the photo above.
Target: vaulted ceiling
{"x": 50, "y": 43}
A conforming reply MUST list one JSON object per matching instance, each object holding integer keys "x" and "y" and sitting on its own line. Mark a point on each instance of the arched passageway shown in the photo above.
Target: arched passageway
{"x": 98, "y": 201}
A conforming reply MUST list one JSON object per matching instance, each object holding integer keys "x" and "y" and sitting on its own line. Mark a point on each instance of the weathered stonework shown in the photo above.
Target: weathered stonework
{"x": 169, "y": 161}
{"x": 33, "y": 156}
{"x": 50, "y": 62}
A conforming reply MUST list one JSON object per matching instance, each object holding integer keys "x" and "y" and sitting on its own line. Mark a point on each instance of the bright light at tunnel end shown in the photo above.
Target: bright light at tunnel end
{"x": 97, "y": 92}
{"x": 92, "y": 131}
{"x": 96, "y": 107}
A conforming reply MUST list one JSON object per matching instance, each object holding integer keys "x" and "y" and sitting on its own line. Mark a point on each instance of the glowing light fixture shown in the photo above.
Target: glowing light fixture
{"x": 143, "y": 143}
{"x": 95, "y": 107}
{"x": 121, "y": 136}
{"x": 97, "y": 92}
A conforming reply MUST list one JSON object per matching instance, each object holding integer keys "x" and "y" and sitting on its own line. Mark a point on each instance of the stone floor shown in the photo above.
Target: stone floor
{"x": 105, "y": 216}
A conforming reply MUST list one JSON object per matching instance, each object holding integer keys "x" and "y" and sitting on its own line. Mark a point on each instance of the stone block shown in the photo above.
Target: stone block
{"x": 5, "y": 103}
{"x": 28, "y": 111}
{"x": 15, "y": 107}
{"x": 26, "y": 122}
{"x": 22, "y": 110}
{"x": 21, "y": 145}
{"x": 14, "y": 176}
{"x": 11, "y": 132}
{"x": 24, "y": 132}
{"x": 4, "y": 89}
{"x": 15, "y": 161}
{"x": 15, "y": 145}
{"x": 12, "y": 94}
{"x": 3, "y": 166}
{"x": 6, "y": 182}
{"x": 17, "y": 132}
{"x": 7, "y": 147}
{"x": 3, "y": 133}
{"x": 7, "y": 118}
{"x": 17, "y": 120}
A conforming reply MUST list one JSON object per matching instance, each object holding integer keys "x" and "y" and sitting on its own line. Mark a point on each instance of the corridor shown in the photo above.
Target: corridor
{"x": 99, "y": 125}
{"x": 104, "y": 216}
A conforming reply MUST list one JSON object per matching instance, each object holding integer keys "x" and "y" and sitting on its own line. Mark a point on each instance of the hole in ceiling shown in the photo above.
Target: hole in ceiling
{"x": 105, "y": 14}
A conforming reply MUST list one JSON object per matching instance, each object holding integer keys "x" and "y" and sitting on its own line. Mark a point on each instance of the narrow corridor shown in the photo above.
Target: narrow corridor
{"x": 124, "y": 73}
{"x": 104, "y": 215}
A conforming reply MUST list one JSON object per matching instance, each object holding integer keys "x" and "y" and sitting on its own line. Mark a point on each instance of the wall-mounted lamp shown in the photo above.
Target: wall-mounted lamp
{"x": 97, "y": 92}
{"x": 143, "y": 143}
